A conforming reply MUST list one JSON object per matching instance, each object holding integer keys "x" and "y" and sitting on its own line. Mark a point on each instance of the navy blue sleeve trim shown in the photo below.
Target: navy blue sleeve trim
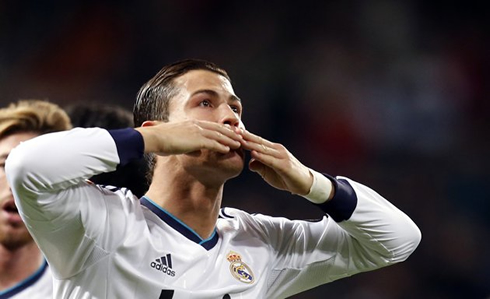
{"x": 130, "y": 144}
{"x": 343, "y": 203}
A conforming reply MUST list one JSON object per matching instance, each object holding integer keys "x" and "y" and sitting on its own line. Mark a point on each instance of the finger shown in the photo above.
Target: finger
{"x": 265, "y": 159}
{"x": 250, "y": 137}
{"x": 253, "y": 142}
{"x": 226, "y": 130}
{"x": 261, "y": 148}
{"x": 255, "y": 165}
{"x": 220, "y": 134}
{"x": 265, "y": 150}
{"x": 220, "y": 138}
{"x": 214, "y": 145}
{"x": 259, "y": 168}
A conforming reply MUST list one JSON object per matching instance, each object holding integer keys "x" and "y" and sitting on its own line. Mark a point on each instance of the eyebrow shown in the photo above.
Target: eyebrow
{"x": 213, "y": 93}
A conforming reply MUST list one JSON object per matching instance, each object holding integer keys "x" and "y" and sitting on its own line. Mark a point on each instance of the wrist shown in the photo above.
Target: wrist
{"x": 321, "y": 190}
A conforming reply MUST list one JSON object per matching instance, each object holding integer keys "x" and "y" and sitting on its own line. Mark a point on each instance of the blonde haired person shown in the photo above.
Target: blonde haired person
{"x": 24, "y": 272}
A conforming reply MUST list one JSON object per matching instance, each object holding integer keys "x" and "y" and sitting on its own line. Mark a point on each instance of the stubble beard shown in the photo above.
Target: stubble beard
{"x": 215, "y": 167}
{"x": 13, "y": 238}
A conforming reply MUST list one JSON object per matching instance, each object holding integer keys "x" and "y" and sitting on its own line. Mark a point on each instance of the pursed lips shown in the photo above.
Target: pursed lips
{"x": 10, "y": 212}
{"x": 9, "y": 206}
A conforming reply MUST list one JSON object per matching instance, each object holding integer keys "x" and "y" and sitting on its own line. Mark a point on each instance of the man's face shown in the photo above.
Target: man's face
{"x": 205, "y": 95}
{"x": 13, "y": 233}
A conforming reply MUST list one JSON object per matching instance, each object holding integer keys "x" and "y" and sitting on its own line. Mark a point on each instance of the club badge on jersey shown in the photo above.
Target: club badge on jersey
{"x": 239, "y": 269}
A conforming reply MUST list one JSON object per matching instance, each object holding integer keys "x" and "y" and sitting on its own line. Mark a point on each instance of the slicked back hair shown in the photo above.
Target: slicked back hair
{"x": 153, "y": 98}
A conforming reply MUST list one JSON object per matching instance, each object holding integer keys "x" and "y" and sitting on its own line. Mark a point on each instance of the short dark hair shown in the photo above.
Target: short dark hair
{"x": 91, "y": 114}
{"x": 111, "y": 117}
{"x": 153, "y": 98}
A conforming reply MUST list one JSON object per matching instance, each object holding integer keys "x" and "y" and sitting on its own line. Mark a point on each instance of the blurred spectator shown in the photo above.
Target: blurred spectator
{"x": 86, "y": 115}
{"x": 24, "y": 272}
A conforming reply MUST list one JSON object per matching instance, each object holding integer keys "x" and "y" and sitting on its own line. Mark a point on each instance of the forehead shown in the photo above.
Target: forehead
{"x": 202, "y": 79}
{"x": 9, "y": 142}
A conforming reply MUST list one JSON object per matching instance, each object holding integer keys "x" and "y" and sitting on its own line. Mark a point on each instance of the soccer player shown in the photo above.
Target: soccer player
{"x": 177, "y": 241}
{"x": 24, "y": 272}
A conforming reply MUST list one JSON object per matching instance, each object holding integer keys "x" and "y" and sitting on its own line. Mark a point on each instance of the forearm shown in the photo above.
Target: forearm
{"x": 382, "y": 226}
{"x": 374, "y": 223}
{"x": 362, "y": 232}
{"x": 59, "y": 160}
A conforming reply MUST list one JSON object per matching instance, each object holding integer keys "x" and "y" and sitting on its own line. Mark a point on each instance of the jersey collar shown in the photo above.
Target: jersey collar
{"x": 180, "y": 226}
{"x": 25, "y": 283}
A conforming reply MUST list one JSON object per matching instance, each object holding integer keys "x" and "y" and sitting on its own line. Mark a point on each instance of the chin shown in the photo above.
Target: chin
{"x": 14, "y": 240}
{"x": 216, "y": 166}
{"x": 220, "y": 171}
{"x": 235, "y": 172}
{"x": 230, "y": 169}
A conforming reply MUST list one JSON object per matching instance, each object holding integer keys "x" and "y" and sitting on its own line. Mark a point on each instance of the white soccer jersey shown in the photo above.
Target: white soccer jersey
{"x": 104, "y": 243}
{"x": 37, "y": 286}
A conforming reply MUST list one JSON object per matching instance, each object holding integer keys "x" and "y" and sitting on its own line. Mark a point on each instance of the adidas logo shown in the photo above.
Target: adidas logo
{"x": 164, "y": 264}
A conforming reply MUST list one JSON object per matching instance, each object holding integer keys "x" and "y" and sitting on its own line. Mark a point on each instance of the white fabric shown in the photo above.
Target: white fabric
{"x": 102, "y": 243}
{"x": 41, "y": 288}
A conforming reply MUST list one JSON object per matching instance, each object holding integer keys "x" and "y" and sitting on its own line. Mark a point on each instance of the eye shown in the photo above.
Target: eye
{"x": 205, "y": 103}
{"x": 235, "y": 109}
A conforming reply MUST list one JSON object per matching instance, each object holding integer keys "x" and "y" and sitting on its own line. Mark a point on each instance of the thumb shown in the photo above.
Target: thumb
{"x": 256, "y": 166}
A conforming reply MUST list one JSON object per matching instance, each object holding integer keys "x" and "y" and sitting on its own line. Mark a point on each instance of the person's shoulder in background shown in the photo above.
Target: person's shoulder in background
{"x": 111, "y": 117}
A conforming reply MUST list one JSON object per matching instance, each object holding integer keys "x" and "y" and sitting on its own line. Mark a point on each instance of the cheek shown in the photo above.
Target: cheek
{"x": 3, "y": 180}
{"x": 187, "y": 114}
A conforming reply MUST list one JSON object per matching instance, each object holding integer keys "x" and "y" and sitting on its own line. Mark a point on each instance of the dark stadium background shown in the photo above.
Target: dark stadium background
{"x": 393, "y": 94}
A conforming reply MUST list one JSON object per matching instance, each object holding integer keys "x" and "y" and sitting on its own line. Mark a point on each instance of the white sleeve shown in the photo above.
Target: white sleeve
{"x": 66, "y": 215}
{"x": 364, "y": 232}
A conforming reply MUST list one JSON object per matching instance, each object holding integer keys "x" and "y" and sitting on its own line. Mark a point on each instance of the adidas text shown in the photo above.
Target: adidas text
{"x": 164, "y": 264}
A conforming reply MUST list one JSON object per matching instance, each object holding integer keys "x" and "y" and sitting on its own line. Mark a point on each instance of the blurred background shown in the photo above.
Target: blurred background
{"x": 393, "y": 94}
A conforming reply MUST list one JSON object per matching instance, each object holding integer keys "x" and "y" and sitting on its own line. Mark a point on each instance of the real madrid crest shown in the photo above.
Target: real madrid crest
{"x": 239, "y": 269}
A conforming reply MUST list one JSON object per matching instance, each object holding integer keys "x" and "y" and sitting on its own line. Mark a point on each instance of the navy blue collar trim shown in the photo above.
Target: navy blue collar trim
{"x": 179, "y": 226}
{"x": 25, "y": 284}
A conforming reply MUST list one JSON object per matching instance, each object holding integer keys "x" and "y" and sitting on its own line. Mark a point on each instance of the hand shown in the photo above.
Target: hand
{"x": 173, "y": 138}
{"x": 276, "y": 165}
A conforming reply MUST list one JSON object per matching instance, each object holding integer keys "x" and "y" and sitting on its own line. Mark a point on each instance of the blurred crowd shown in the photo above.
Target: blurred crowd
{"x": 390, "y": 93}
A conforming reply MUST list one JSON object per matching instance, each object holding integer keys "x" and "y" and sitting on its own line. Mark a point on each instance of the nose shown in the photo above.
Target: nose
{"x": 229, "y": 117}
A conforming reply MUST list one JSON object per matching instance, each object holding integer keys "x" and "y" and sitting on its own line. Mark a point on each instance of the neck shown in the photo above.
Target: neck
{"x": 193, "y": 202}
{"x": 18, "y": 264}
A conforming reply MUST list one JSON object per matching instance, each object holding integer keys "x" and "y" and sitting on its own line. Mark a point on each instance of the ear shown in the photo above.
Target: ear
{"x": 149, "y": 123}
